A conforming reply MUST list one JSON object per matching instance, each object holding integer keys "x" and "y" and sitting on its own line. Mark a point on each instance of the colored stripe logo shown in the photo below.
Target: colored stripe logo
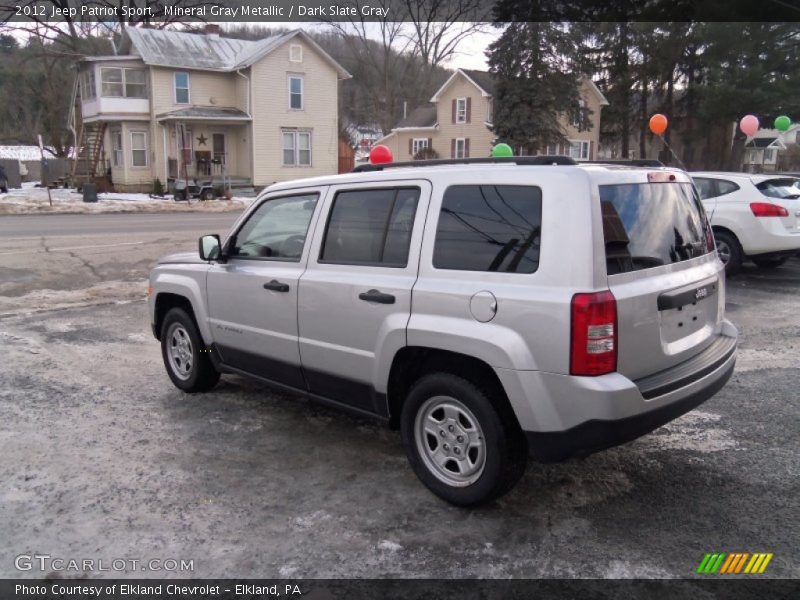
{"x": 734, "y": 563}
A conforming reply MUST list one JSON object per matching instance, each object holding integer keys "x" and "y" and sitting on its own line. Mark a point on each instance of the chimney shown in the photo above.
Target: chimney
{"x": 212, "y": 30}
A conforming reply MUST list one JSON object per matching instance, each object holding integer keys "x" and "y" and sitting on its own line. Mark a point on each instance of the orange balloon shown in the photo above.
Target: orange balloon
{"x": 658, "y": 124}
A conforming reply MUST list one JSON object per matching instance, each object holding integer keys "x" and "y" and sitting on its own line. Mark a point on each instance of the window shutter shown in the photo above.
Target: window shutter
{"x": 469, "y": 109}
{"x": 453, "y": 148}
{"x": 453, "y": 111}
{"x": 466, "y": 141}
{"x": 591, "y": 149}
{"x": 430, "y": 144}
{"x": 411, "y": 146}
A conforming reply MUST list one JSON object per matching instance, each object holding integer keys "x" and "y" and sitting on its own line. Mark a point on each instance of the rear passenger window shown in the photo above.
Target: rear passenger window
{"x": 705, "y": 187}
{"x": 370, "y": 227}
{"x": 489, "y": 228}
{"x": 726, "y": 187}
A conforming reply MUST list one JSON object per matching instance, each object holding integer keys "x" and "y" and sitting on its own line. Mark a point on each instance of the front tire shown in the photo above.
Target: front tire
{"x": 460, "y": 442}
{"x": 186, "y": 358}
{"x": 730, "y": 251}
{"x": 769, "y": 262}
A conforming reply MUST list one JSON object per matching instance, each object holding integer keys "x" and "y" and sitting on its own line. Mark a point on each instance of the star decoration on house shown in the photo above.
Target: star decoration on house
{"x": 202, "y": 140}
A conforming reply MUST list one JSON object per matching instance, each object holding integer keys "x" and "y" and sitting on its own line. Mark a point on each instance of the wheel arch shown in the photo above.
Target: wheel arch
{"x": 411, "y": 363}
{"x": 166, "y": 301}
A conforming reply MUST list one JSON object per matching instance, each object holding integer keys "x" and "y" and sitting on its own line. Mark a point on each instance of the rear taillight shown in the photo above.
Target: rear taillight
{"x": 710, "y": 244}
{"x": 765, "y": 209}
{"x": 594, "y": 334}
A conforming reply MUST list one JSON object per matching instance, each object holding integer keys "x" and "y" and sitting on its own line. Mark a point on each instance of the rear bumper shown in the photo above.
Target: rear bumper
{"x": 565, "y": 416}
{"x": 770, "y": 237}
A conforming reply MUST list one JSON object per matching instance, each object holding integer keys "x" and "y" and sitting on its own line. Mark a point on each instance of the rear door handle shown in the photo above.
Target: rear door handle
{"x": 377, "y": 296}
{"x": 276, "y": 286}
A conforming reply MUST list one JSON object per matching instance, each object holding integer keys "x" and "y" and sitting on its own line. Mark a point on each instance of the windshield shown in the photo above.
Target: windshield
{"x": 652, "y": 224}
{"x": 780, "y": 188}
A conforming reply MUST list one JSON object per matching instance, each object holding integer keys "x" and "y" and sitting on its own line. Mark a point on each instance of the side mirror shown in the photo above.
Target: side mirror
{"x": 209, "y": 247}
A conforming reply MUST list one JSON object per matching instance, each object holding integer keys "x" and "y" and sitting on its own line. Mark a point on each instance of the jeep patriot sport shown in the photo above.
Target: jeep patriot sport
{"x": 490, "y": 309}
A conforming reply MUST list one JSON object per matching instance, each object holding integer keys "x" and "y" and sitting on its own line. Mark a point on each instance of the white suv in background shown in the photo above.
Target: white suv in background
{"x": 753, "y": 216}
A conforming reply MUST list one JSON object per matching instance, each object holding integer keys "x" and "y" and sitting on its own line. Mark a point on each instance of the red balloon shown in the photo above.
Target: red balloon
{"x": 380, "y": 155}
{"x": 658, "y": 124}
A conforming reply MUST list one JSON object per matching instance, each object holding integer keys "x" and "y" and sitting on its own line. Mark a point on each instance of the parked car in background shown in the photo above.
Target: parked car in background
{"x": 754, "y": 217}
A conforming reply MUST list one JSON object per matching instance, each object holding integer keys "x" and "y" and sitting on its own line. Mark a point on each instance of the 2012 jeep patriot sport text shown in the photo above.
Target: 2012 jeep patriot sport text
{"x": 490, "y": 311}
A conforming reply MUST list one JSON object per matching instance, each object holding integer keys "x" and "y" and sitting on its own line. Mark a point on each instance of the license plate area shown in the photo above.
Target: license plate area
{"x": 685, "y": 311}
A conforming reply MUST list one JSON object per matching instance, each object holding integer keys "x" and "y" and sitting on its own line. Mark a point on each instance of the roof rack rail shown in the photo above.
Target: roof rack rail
{"x": 629, "y": 162}
{"x": 514, "y": 160}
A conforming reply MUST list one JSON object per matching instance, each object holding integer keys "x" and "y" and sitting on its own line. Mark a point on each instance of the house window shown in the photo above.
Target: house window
{"x": 112, "y": 86}
{"x": 181, "y": 88}
{"x": 296, "y": 53}
{"x": 123, "y": 83}
{"x": 769, "y": 156}
{"x": 116, "y": 146}
{"x": 579, "y": 115}
{"x": 88, "y": 88}
{"x": 295, "y": 92}
{"x": 135, "y": 83}
{"x": 461, "y": 148}
{"x": 461, "y": 110}
{"x": 296, "y": 148}
{"x": 138, "y": 149}
{"x": 418, "y": 144}
{"x": 553, "y": 149}
{"x": 579, "y": 149}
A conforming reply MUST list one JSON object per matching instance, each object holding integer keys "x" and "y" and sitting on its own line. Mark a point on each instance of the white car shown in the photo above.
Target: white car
{"x": 753, "y": 216}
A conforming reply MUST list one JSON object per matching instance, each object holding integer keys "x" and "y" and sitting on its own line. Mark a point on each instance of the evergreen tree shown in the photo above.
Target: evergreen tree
{"x": 536, "y": 83}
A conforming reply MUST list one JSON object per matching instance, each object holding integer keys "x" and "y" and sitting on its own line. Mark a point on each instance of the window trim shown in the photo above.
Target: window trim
{"x": 397, "y": 189}
{"x": 292, "y": 49}
{"x": 458, "y": 110}
{"x": 124, "y": 83}
{"x": 414, "y": 146}
{"x": 463, "y": 148}
{"x": 175, "y": 87}
{"x": 306, "y": 246}
{"x": 584, "y": 144}
{"x": 301, "y": 77}
{"x": 296, "y": 133}
{"x": 116, "y": 135}
{"x": 146, "y": 148}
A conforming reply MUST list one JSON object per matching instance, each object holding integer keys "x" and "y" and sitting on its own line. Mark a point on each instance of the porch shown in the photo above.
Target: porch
{"x": 209, "y": 144}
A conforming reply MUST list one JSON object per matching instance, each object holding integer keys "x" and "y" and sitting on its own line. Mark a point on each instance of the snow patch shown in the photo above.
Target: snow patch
{"x": 389, "y": 546}
{"x": 693, "y": 431}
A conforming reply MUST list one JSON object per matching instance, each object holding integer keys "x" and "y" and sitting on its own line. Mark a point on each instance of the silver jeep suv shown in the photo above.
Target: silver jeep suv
{"x": 489, "y": 311}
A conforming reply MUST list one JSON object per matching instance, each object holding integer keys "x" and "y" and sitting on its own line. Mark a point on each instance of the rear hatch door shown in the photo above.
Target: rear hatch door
{"x": 663, "y": 271}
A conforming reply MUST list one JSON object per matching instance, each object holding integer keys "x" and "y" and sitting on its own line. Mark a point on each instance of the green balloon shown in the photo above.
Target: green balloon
{"x": 502, "y": 151}
{"x": 783, "y": 123}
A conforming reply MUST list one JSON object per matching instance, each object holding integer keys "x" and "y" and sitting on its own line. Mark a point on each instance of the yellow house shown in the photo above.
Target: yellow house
{"x": 457, "y": 123}
{"x": 173, "y": 104}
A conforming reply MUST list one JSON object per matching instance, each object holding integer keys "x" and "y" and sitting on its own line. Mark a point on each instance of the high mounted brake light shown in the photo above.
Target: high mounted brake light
{"x": 661, "y": 177}
{"x": 593, "y": 349}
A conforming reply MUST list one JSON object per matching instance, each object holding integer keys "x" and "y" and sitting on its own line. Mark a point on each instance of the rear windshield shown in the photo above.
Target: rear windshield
{"x": 780, "y": 188}
{"x": 652, "y": 224}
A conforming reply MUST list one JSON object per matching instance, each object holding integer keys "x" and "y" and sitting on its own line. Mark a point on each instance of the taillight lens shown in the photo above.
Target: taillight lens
{"x": 594, "y": 334}
{"x": 766, "y": 209}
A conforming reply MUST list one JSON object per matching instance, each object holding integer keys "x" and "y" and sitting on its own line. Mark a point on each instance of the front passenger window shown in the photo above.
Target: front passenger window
{"x": 276, "y": 230}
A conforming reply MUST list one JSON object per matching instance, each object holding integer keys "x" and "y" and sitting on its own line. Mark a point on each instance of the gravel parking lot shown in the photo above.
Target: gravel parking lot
{"x": 103, "y": 458}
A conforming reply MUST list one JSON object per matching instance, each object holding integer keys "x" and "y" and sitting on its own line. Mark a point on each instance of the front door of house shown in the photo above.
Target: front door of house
{"x": 218, "y": 146}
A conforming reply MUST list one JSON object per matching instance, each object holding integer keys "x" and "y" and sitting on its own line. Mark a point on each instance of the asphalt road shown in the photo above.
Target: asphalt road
{"x": 104, "y": 458}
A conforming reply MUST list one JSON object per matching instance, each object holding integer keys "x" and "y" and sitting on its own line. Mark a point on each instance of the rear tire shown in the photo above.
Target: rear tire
{"x": 769, "y": 262}
{"x": 208, "y": 195}
{"x": 460, "y": 441}
{"x": 186, "y": 357}
{"x": 730, "y": 251}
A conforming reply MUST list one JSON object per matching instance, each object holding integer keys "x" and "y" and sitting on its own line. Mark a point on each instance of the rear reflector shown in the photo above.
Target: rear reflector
{"x": 593, "y": 349}
{"x": 765, "y": 209}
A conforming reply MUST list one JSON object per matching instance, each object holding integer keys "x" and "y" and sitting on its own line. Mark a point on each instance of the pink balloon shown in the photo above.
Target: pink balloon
{"x": 749, "y": 125}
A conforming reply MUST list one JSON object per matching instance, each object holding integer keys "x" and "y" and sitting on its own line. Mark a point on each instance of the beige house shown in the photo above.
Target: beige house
{"x": 457, "y": 123}
{"x": 174, "y": 104}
